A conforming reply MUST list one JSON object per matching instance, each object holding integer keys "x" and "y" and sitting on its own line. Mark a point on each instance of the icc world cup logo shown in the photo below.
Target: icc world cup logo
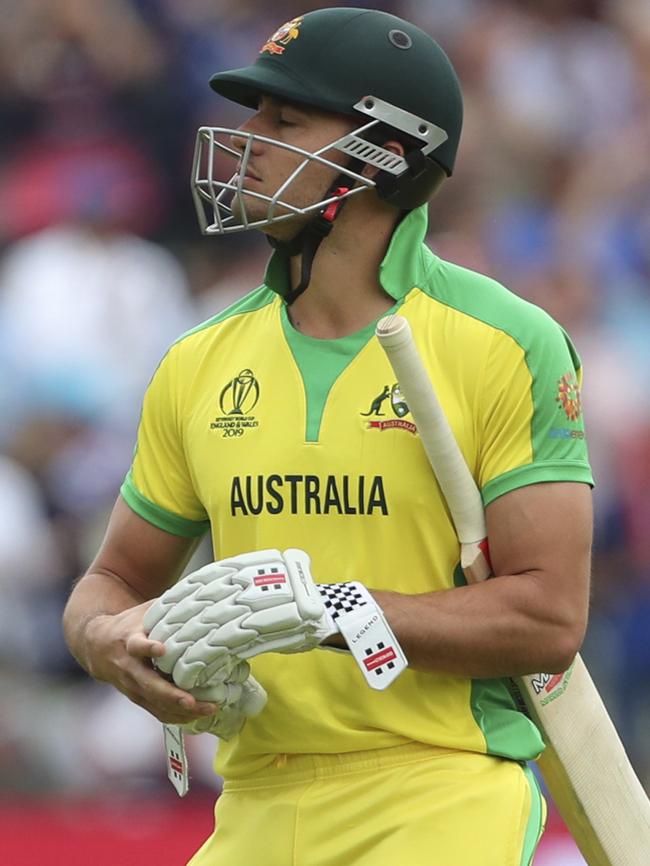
{"x": 240, "y": 395}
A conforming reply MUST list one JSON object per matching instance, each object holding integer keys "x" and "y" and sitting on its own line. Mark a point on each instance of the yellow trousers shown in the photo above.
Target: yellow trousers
{"x": 412, "y": 805}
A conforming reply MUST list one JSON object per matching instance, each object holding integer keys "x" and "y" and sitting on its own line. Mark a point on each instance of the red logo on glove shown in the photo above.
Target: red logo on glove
{"x": 266, "y": 579}
{"x": 175, "y": 764}
{"x": 376, "y": 660}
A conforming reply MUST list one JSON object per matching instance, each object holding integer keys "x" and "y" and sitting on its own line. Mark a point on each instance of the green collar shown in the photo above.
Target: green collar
{"x": 402, "y": 266}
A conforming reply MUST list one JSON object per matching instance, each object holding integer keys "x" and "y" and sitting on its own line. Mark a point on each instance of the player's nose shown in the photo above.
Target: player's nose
{"x": 240, "y": 137}
{"x": 238, "y": 141}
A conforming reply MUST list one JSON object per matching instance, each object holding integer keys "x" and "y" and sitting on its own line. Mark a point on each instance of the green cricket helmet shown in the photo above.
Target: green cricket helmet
{"x": 364, "y": 63}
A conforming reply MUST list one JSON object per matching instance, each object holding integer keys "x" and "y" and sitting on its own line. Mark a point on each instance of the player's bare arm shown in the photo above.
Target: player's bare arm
{"x": 103, "y": 618}
{"x": 532, "y": 616}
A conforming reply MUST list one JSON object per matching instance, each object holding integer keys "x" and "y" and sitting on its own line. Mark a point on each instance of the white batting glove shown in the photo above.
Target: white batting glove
{"x": 223, "y": 679}
{"x": 268, "y": 602}
{"x": 237, "y": 702}
{"x": 173, "y": 620}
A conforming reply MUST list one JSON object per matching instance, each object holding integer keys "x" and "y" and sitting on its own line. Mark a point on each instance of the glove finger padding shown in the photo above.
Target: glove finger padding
{"x": 201, "y": 590}
{"x": 285, "y": 611}
{"x": 242, "y": 701}
{"x": 164, "y": 618}
{"x": 224, "y": 694}
{"x": 193, "y": 671}
{"x": 176, "y": 619}
{"x": 234, "y": 609}
{"x": 253, "y": 698}
{"x": 188, "y": 586}
{"x": 224, "y": 724}
{"x": 199, "y": 663}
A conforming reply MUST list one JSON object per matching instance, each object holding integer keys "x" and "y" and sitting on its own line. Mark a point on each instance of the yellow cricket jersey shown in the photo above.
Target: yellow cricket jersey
{"x": 273, "y": 439}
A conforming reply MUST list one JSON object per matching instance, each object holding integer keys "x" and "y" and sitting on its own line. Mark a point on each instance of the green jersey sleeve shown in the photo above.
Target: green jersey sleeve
{"x": 530, "y": 413}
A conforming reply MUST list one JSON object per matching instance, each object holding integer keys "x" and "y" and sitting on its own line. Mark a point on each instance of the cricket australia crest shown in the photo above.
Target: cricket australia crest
{"x": 393, "y": 397}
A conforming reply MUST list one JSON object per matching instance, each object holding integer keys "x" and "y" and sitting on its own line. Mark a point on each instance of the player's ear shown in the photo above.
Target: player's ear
{"x": 394, "y": 147}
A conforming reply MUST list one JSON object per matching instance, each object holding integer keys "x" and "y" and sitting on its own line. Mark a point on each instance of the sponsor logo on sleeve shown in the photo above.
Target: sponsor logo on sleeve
{"x": 565, "y": 433}
{"x": 568, "y": 396}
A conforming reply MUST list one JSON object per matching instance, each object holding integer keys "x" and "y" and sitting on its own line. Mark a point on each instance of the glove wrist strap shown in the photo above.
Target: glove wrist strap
{"x": 358, "y": 617}
{"x": 177, "y": 769}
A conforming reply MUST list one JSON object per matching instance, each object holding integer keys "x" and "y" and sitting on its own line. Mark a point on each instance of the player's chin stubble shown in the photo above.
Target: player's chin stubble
{"x": 256, "y": 209}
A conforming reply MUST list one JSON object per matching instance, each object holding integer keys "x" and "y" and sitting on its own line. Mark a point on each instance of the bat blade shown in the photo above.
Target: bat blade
{"x": 587, "y": 770}
{"x": 584, "y": 764}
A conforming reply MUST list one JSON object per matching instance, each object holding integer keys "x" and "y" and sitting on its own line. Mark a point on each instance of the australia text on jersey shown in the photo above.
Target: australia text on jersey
{"x": 308, "y": 494}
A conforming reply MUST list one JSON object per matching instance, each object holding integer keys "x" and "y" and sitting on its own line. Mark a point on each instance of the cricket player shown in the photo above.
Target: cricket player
{"x": 278, "y": 427}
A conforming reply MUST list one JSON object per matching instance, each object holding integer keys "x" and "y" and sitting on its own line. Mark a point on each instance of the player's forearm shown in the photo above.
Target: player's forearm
{"x": 502, "y": 627}
{"x": 96, "y": 595}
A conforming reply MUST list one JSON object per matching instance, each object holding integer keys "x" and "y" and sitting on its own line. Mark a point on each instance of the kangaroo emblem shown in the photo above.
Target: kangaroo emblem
{"x": 375, "y": 406}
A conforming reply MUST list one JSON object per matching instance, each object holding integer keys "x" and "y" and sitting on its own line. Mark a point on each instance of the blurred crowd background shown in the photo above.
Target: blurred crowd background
{"x": 102, "y": 265}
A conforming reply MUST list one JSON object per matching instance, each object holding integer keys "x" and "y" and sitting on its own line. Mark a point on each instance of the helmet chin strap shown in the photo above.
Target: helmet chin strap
{"x": 309, "y": 238}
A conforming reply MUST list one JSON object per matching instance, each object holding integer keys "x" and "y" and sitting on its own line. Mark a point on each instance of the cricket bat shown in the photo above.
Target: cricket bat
{"x": 584, "y": 765}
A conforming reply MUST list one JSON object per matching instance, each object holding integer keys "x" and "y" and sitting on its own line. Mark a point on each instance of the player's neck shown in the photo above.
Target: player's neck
{"x": 344, "y": 294}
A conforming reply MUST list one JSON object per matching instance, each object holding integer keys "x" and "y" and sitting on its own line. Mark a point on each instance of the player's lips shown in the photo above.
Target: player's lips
{"x": 250, "y": 175}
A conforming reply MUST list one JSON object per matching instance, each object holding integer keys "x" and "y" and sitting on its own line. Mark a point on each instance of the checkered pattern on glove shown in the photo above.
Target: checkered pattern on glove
{"x": 262, "y": 602}
{"x": 341, "y": 598}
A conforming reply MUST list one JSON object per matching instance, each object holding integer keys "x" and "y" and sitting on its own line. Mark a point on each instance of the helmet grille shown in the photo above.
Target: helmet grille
{"x": 372, "y": 154}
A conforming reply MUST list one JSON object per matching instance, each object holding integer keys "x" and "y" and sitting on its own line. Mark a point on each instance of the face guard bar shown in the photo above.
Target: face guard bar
{"x": 213, "y": 198}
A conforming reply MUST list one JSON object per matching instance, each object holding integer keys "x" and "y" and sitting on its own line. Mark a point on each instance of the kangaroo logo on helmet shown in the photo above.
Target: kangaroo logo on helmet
{"x": 283, "y": 36}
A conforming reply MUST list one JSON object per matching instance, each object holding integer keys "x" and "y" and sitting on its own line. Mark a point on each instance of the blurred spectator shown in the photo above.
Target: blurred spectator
{"x": 31, "y": 569}
{"x": 86, "y": 314}
{"x": 106, "y": 184}
{"x": 87, "y": 308}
